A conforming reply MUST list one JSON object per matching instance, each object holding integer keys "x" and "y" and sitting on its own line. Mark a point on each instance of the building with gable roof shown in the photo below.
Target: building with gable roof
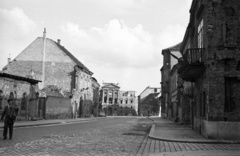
{"x": 148, "y": 101}
{"x": 54, "y": 65}
{"x": 170, "y": 56}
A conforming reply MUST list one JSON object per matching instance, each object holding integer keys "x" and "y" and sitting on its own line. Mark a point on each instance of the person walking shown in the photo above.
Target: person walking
{"x": 9, "y": 115}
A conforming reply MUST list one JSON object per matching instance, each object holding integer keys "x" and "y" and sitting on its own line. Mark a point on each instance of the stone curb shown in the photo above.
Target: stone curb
{"x": 54, "y": 122}
{"x": 151, "y": 135}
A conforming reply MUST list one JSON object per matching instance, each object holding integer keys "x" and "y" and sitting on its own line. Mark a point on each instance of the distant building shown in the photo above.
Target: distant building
{"x": 55, "y": 66}
{"x": 148, "y": 101}
{"x": 96, "y": 97}
{"x": 117, "y": 102}
{"x": 170, "y": 56}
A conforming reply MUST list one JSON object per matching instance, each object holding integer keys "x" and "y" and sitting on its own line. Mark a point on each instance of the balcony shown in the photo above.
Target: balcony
{"x": 192, "y": 65}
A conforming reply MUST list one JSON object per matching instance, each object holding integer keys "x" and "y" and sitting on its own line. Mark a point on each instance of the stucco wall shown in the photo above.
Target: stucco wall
{"x": 217, "y": 129}
{"x": 58, "y": 108}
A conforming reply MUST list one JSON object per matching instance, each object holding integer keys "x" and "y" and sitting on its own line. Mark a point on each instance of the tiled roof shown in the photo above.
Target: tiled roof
{"x": 149, "y": 88}
{"x": 80, "y": 64}
{"x": 151, "y": 97}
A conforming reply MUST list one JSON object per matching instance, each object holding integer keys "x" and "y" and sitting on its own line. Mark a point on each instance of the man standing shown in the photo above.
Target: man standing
{"x": 9, "y": 114}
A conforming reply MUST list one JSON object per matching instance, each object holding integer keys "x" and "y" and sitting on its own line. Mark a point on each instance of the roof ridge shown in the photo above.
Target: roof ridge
{"x": 79, "y": 63}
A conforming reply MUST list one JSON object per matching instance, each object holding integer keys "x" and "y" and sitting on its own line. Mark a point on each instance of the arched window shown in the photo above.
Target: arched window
{"x": 131, "y": 100}
{"x": 11, "y": 96}
{"x": 24, "y": 101}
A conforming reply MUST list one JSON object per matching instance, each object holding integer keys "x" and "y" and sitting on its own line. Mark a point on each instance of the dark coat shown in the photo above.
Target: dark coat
{"x": 9, "y": 114}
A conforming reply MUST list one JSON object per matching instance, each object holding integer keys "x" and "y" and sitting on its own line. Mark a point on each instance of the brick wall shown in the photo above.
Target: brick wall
{"x": 19, "y": 89}
{"x": 58, "y": 66}
{"x": 222, "y": 47}
{"x": 60, "y": 71}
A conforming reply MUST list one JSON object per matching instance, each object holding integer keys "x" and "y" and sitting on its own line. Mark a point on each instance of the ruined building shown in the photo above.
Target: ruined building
{"x": 210, "y": 68}
{"x": 148, "y": 101}
{"x": 169, "y": 61}
{"x": 51, "y": 63}
{"x": 117, "y": 102}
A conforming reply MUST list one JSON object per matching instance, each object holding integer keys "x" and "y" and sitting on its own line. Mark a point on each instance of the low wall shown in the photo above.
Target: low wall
{"x": 58, "y": 108}
{"x": 221, "y": 129}
{"x": 217, "y": 129}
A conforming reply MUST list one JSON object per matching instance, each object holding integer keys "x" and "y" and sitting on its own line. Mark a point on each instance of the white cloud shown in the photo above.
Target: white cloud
{"x": 15, "y": 28}
{"x": 121, "y": 54}
{"x": 15, "y": 21}
{"x": 115, "y": 44}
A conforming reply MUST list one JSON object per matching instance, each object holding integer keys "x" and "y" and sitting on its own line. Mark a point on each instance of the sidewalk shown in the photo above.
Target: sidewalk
{"x": 50, "y": 122}
{"x": 198, "y": 153}
{"x": 166, "y": 130}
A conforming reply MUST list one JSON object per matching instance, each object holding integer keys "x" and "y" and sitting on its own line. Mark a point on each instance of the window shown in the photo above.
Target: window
{"x": 110, "y": 100}
{"x": 24, "y": 102}
{"x": 126, "y": 101}
{"x": 230, "y": 90}
{"x": 200, "y": 34}
{"x": 105, "y": 99}
{"x": 155, "y": 90}
{"x": 11, "y": 96}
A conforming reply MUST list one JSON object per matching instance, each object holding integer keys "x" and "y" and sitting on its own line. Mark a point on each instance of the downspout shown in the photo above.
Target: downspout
{"x": 43, "y": 59}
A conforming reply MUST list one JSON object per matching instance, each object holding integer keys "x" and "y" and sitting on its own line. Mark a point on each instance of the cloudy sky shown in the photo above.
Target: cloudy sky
{"x": 120, "y": 41}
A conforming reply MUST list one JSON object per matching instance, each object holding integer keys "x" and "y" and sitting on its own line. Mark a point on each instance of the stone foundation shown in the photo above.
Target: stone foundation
{"x": 217, "y": 129}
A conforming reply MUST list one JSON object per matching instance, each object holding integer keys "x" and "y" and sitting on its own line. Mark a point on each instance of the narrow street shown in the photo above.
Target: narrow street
{"x": 112, "y": 136}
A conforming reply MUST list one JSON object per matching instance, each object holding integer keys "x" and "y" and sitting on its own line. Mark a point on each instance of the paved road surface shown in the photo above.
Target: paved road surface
{"x": 114, "y": 136}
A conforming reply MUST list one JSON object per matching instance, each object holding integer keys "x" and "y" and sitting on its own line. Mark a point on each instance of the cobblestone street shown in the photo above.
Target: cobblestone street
{"x": 152, "y": 146}
{"x": 119, "y": 139}
{"x": 129, "y": 138}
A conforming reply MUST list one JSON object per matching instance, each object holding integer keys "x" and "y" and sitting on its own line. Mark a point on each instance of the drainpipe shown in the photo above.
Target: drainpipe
{"x": 43, "y": 59}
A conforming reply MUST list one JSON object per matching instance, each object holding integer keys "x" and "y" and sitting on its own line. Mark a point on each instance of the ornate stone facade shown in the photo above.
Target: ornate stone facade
{"x": 117, "y": 102}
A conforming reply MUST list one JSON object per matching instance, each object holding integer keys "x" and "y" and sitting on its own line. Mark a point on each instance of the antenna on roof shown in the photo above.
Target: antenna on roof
{"x": 44, "y": 33}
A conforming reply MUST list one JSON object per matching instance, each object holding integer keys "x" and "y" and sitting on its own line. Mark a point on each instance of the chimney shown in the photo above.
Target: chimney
{"x": 9, "y": 59}
{"x": 44, "y": 33}
{"x": 59, "y": 41}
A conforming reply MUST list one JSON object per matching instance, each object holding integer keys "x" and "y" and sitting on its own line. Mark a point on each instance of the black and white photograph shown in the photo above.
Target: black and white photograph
{"x": 120, "y": 77}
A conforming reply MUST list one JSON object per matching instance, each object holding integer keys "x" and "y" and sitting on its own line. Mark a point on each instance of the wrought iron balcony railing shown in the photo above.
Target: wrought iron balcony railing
{"x": 194, "y": 55}
{"x": 190, "y": 68}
